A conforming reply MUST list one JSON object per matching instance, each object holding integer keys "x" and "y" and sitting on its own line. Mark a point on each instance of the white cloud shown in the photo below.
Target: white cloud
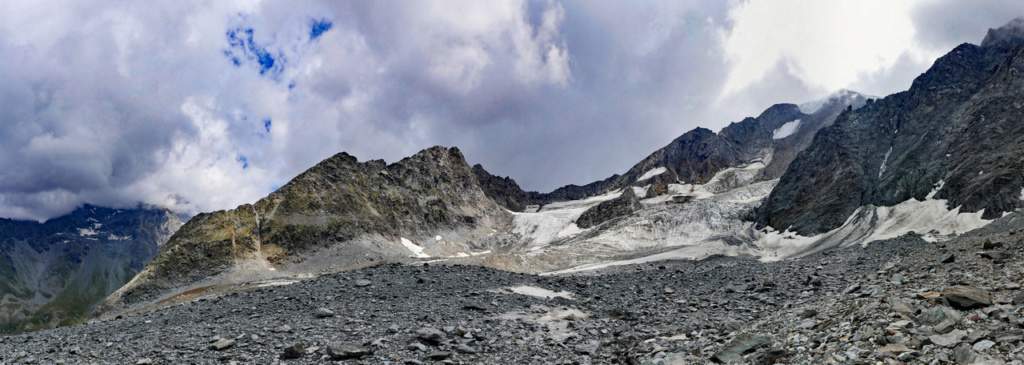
{"x": 826, "y": 44}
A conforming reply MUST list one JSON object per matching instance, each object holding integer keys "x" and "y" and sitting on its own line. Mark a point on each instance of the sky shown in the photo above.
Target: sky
{"x": 205, "y": 105}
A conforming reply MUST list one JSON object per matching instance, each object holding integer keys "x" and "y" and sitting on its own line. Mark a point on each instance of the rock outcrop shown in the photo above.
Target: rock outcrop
{"x": 625, "y": 204}
{"x": 339, "y": 213}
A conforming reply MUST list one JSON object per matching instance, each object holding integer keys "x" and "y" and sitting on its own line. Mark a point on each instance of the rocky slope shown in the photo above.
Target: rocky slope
{"x": 774, "y": 137}
{"x": 956, "y": 133}
{"x": 901, "y": 300}
{"x": 339, "y": 214}
{"x": 54, "y": 273}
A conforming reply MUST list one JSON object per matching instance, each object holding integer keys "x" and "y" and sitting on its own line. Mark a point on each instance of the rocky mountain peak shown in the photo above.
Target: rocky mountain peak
{"x": 339, "y": 214}
{"x": 1009, "y": 35}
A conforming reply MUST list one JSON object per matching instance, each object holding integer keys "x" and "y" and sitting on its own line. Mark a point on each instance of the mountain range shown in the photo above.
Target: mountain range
{"x": 54, "y": 273}
{"x": 924, "y": 165}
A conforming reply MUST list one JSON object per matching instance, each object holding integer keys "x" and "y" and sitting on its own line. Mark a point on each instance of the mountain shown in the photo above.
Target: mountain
{"x": 338, "y": 215}
{"x": 955, "y": 135}
{"x": 775, "y": 138}
{"x": 54, "y": 273}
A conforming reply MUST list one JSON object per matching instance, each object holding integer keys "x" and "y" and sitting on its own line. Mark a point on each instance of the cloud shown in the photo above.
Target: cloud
{"x": 200, "y": 106}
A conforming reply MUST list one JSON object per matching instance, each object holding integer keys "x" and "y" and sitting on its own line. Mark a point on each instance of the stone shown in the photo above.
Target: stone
{"x": 892, "y": 349}
{"x": 852, "y": 289}
{"x": 948, "y": 340}
{"x": 363, "y": 282}
{"x": 944, "y": 327}
{"x": 222, "y": 344}
{"x": 808, "y": 313}
{"x": 588, "y": 348}
{"x": 983, "y": 345}
{"x": 964, "y": 354}
{"x": 144, "y": 361}
{"x": 283, "y": 329}
{"x": 1008, "y": 336}
{"x": 742, "y": 344}
{"x": 345, "y": 351}
{"x": 938, "y": 314}
{"x": 293, "y": 352}
{"x": 430, "y": 335}
{"x": 324, "y": 313}
{"x": 967, "y": 297}
{"x": 438, "y": 355}
{"x": 464, "y": 348}
{"x": 416, "y": 346}
{"x": 947, "y": 258}
{"x": 995, "y": 255}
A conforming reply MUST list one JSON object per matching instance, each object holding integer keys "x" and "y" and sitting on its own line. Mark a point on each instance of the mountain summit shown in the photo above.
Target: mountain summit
{"x": 339, "y": 214}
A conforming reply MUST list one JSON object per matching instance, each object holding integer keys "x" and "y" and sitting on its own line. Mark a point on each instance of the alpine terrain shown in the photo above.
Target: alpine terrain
{"x": 54, "y": 273}
{"x": 849, "y": 230}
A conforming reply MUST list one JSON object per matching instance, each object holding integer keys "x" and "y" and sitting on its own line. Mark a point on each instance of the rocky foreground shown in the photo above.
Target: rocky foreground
{"x": 896, "y": 301}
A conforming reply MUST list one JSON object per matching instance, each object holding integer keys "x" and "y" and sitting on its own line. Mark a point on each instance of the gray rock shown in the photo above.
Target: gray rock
{"x": 293, "y": 352}
{"x": 742, "y": 344}
{"x": 944, "y": 327}
{"x": 995, "y": 255}
{"x": 983, "y": 345}
{"x": 222, "y": 344}
{"x": 144, "y": 361}
{"x": 625, "y": 204}
{"x": 464, "y": 348}
{"x": 438, "y": 355}
{"x": 588, "y": 348}
{"x": 967, "y": 297}
{"x": 345, "y": 351}
{"x": 416, "y": 346}
{"x": 1008, "y": 336}
{"x": 852, "y": 289}
{"x": 937, "y": 314}
{"x": 323, "y": 313}
{"x": 362, "y": 283}
{"x": 430, "y": 335}
{"x": 947, "y": 258}
{"x": 964, "y": 354}
{"x": 948, "y": 340}
{"x": 283, "y": 329}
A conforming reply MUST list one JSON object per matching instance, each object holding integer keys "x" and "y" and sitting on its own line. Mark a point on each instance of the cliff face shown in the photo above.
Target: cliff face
{"x": 332, "y": 206}
{"x": 55, "y": 273}
{"x": 956, "y": 132}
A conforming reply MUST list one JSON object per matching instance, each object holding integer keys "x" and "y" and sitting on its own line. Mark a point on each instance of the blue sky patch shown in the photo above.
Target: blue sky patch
{"x": 266, "y": 125}
{"x": 244, "y": 161}
{"x": 243, "y": 49}
{"x": 319, "y": 27}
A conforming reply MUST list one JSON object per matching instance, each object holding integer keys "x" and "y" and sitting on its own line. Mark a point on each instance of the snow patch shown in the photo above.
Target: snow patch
{"x": 417, "y": 251}
{"x": 938, "y": 186}
{"x": 114, "y": 237}
{"x": 786, "y": 130}
{"x": 85, "y": 232}
{"x": 570, "y": 230}
{"x": 652, "y": 173}
{"x": 884, "y": 162}
{"x": 537, "y": 292}
{"x": 437, "y": 238}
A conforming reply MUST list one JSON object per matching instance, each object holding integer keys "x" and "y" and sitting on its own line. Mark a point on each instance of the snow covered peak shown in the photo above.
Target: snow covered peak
{"x": 843, "y": 96}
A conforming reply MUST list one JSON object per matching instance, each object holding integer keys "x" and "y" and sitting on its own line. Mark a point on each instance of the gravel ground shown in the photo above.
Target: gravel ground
{"x": 850, "y": 305}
